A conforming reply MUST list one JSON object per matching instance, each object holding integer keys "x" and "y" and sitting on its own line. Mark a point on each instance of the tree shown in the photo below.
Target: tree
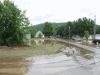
{"x": 48, "y": 29}
{"x": 12, "y": 22}
{"x": 66, "y": 30}
{"x": 60, "y": 30}
{"x": 32, "y": 31}
{"x": 82, "y": 25}
{"x": 98, "y": 30}
{"x": 40, "y": 35}
{"x": 86, "y": 35}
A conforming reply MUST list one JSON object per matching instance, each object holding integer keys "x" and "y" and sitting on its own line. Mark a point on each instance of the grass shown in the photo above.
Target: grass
{"x": 46, "y": 49}
{"x": 41, "y": 38}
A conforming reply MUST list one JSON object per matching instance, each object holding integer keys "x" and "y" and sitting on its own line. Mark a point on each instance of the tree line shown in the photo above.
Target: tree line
{"x": 41, "y": 26}
{"x": 77, "y": 27}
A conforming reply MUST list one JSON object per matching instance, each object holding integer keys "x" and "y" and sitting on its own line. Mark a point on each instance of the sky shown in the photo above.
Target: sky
{"x": 40, "y": 11}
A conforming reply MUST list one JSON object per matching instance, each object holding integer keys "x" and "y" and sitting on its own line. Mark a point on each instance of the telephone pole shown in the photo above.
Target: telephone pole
{"x": 69, "y": 32}
{"x": 94, "y": 26}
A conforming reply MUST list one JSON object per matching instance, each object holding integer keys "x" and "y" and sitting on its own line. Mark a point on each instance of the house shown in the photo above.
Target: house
{"x": 75, "y": 36}
{"x": 28, "y": 36}
{"x": 97, "y": 36}
{"x": 92, "y": 36}
{"x": 38, "y": 34}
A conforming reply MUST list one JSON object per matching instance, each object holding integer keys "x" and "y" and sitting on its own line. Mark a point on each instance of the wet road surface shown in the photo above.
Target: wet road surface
{"x": 73, "y": 59}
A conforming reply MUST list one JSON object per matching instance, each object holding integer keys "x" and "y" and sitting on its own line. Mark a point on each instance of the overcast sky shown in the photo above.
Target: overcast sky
{"x": 40, "y": 11}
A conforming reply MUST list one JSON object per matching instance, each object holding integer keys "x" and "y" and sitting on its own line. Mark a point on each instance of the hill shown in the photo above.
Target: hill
{"x": 40, "y": 26}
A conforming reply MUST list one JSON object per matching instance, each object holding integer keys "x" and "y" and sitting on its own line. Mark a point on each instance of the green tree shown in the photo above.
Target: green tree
{"x": 12, "y": 21}
{"x": 82, "y": 25}
{"x": 66, "y": 30}
{"x": 86, "y": 35}
{"x": 48, "y": 29}
{"x": 60, "y": 30}
{"x": 32, "y": 31}
{"x": 98, "y": 30}
{"x": 40, "y": 35}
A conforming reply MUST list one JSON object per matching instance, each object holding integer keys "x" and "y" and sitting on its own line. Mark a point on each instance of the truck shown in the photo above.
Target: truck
{"x": 96, "y": 40}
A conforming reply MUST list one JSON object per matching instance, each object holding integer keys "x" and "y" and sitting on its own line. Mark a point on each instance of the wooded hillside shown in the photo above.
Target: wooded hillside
{"x": 40, "y": 26}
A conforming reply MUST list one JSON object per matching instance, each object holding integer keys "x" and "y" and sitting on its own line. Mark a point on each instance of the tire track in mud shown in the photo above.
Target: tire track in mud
{"x": 79, "y": 45}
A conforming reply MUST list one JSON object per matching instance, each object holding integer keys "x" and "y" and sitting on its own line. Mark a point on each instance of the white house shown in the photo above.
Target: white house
{"x": 97, "y": 36}
{"x": 28, "y": 36}
{"x": 38, "y": 34}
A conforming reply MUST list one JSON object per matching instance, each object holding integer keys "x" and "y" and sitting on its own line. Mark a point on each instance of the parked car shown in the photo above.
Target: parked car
{"x": 96, "y": 40}
{"x": 77, "y": 38}
{"x": 65, "y": 37}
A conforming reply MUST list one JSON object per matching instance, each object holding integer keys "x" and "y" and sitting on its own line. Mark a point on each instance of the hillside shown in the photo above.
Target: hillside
{"x": 40, "y": 26}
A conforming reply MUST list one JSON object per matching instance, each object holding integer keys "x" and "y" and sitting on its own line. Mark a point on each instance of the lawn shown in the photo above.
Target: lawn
{"x": 46, "y": 49}
{"x": 41, "y": 38}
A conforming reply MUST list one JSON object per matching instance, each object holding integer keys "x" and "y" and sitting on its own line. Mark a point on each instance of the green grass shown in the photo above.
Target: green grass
{"x": 41, "y": 38}
{"x": 47, "y": 49}
{"x": 37, "y": 50}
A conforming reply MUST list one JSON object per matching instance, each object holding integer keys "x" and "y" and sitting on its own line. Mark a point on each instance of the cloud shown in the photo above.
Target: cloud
{"x": 40, "y": 19}
{"x": 89, "y": 12}
{"x": 40, "y": 11}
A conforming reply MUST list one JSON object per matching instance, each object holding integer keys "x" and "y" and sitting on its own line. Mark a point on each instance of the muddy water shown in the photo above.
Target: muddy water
{"x": 14, "y": 65}
{"x": 38, "y": 42}
{"x": 70, "y": 60}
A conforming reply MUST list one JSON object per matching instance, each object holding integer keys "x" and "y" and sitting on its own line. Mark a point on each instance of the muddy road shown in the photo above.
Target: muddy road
{"x": 73, "y": 59}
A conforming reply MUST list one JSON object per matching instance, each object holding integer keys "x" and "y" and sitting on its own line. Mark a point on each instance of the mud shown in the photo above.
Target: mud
{"x": 70, "y": 60}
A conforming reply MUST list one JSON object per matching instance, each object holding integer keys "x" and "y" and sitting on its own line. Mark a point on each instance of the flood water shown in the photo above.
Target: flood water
{"x": 70, "y": 60}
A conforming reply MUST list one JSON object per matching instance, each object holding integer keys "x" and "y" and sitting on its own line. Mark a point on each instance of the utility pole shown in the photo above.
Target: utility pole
{"x": 69, "y": 32}
{"x": 94, "y": 26}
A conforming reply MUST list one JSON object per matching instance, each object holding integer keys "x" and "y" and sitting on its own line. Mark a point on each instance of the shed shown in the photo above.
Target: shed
{"x": 39, "y": 33}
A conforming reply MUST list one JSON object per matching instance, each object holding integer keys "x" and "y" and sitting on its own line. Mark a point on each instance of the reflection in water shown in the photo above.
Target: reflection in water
{"x": 39, "y": 42}
{"x": 14, "y": 66}
{"x": 47, "y": 42}
{"x": 33, "y": 42}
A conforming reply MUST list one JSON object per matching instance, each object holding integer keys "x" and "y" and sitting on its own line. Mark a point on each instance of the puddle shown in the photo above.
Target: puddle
{"x": 14, "y": 66}
{"x": 69, "y": 60}
{"x": 41, "y": 42}
{"x": 47, "y": 59}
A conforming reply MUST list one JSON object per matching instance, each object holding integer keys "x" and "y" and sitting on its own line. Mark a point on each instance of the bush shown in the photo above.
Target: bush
{"x": 87, "y": 35}
{"x": 40, "y": 35}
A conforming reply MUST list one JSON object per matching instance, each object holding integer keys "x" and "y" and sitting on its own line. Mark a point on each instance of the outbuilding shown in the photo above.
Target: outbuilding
{"x": 39, "y": 32}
